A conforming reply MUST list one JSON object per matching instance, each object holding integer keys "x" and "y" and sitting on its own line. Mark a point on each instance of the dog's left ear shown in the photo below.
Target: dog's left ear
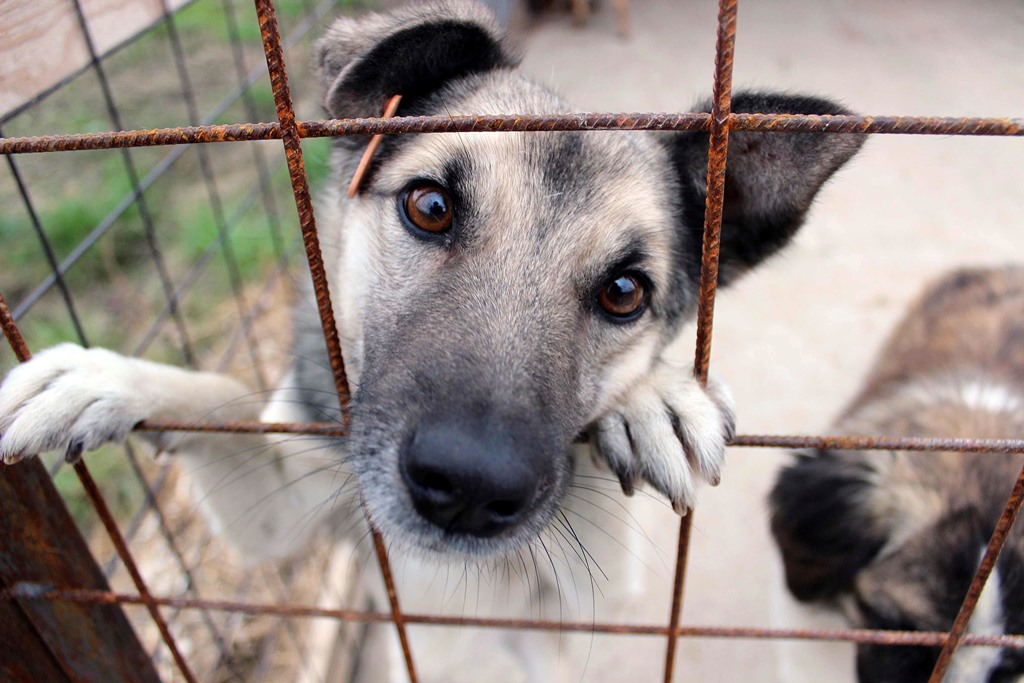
{"x": 413, "y": 52}
{"x": 770, "y": 181}
{"x": 824, "y": 523}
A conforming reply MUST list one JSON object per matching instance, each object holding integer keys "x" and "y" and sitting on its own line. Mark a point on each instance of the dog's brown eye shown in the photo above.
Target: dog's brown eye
{"x": 428, "y": 208}
{"x": 623, "y": 297}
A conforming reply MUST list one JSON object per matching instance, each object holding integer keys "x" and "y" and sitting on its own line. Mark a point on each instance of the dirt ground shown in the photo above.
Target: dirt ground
{"x": 794, "y": 338}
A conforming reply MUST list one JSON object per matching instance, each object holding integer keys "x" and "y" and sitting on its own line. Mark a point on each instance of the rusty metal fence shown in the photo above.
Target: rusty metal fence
{"x": 719, "y": 123}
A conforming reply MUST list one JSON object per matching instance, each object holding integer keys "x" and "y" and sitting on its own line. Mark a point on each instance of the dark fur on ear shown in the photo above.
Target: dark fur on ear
{"x": 771, "y": 180}
{"x": 413, "y": 52}
{"x": 822, "y": 525}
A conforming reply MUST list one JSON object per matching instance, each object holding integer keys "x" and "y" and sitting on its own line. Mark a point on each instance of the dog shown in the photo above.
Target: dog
{"x": 498, "y": 295}
{"x": 894, "y": 539}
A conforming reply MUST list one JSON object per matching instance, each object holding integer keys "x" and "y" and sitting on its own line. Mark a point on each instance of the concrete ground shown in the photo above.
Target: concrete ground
{"x": 794, "y": 338}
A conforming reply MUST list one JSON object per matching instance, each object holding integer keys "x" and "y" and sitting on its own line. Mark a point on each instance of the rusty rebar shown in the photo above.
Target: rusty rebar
{"x": 398, "y": 618}
{"x": 292, "y": 139}
{"x": 988, "y": 562}
{"x": 796, "y": 442}
{"x": 718, "y": 124}
{"x": 888, "y": 125}
{"x": 35, "y": 591}
{"x": 880, "y": 443}
{"x": 107, "y": 518}
{"x": 718, "y": 147}
{"x": 12, "y": 332}
{"x": 238, "y": 132}
{"x": 300, "y": 188}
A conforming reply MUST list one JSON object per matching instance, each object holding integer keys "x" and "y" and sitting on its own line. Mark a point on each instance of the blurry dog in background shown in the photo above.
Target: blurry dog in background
{"x": 498, "y": 294}
{"x": 894, "y": 538}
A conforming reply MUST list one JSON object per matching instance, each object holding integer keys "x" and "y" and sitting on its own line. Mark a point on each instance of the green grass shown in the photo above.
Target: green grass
{"x": 66, "y": 218}
{"x": 208, "y": 16}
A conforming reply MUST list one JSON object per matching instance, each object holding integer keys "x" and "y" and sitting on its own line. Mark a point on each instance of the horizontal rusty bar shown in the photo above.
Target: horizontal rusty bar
{"x": 881, "y": 443}
{"x": 156, "y": 137}
{"x": 868, "y": 443}
{"x": 891, "y": 125}
{"x": 243, "y": 427}
{"x": 30, "y": 591}
{"x": 235, "y": 132}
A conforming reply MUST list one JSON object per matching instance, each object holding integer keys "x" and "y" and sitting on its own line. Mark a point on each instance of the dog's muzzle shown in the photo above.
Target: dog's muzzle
{"x": 477, "y": 477}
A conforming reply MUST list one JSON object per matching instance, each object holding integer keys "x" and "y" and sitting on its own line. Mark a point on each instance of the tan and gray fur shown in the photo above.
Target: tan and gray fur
{"x": 894, "y": 538}
{"x": 478, "y": 355}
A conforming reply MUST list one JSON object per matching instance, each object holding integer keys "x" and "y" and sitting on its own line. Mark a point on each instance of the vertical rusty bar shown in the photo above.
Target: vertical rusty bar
{"x": 12, "y": 332}
{"x": 717, "y": 152}
{"x": 296, "y": 169}
{"x": 266, "y": 191}
{"x": 988, "y": 562}
{"x": 300, "y": 187}
{"x": 396, "y": 613}
{"x": 718, "y": 146}
{"x": 678, "y": 584}
{"x": 129, "y": 563}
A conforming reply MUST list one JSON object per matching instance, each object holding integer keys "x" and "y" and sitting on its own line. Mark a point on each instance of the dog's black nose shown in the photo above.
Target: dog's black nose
{"x": 471, "y": 479}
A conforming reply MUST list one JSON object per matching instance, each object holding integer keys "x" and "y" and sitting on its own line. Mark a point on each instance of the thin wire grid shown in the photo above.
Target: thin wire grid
{"x": 113, "y": 112}
{"x": 246, "y": 312}
{"x": 719, "y": 123}
{"x": 214, "y": 196}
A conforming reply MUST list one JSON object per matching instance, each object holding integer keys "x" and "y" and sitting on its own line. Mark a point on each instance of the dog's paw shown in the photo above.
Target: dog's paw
{"x": 669, "y": 432}
{"x": 66, "y": 398}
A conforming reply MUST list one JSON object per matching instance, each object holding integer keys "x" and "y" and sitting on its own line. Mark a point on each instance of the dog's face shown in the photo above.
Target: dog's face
{"x": 498, "y": 290}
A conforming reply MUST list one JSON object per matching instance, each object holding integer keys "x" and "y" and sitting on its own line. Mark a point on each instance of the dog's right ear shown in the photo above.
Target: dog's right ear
{"x": 412, "y": 52}
{"x": 823, "y": 523}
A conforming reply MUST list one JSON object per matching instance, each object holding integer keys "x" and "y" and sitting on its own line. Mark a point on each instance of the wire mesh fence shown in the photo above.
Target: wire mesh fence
{"x": 229, "y": 240}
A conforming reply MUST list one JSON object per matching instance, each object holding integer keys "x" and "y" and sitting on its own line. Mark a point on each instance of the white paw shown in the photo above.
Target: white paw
{"x": 66, "y": 398}
{"x": 669, "y": 432}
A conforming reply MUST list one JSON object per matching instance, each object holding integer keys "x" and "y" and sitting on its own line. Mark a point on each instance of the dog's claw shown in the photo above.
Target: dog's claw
{"x": 669, "y": 432}
{"x": 730, "y": 428}
{"x": 627, "y": 484}
{"x": 74, "y": 451}
{"x": 14, "y": 458}
{"x": 64, "y": 398}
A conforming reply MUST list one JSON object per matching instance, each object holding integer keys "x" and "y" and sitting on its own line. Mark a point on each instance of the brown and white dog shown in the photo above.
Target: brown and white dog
{"x": 894, "y": 538}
